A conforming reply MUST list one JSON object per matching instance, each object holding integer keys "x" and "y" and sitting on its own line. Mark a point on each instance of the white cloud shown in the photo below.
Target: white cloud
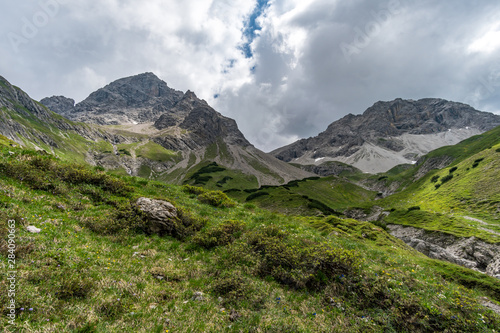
{"x": 301, "y": 81}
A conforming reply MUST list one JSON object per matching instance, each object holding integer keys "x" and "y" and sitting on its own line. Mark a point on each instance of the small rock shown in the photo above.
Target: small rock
{"x": 153, "y": 305}
{"x": 33, "y": 229}
{"x": 220, "y": 299}
{"x": 159, "y": 277}
{"x": 233, "y": 316}
{"x": 11, "y": 153}
{"x": 198, "y": 296}
{"x": 135, "y": 247}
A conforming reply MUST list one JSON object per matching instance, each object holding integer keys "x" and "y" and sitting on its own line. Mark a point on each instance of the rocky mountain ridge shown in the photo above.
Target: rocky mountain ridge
{"x": 152, "y": 131}
{"x": 390, "y": 133}
{"x": 131, "y": 100}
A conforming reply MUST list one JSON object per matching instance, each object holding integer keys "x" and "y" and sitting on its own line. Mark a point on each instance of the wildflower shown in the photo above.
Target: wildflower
{"x": 30, "y": 309}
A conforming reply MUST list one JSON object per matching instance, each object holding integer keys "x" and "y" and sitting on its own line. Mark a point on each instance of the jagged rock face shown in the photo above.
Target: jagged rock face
{"x": 391, "y": 133}
{"x": 145, "y": 98}
{"x": 468, "y": 252}
{"x": 59, "y": 104}
{"x": 136, "y": 99}
{"x": 329, "y": 169}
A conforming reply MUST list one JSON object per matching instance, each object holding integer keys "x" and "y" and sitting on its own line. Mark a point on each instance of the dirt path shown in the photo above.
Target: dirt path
{"x": 482, "y": 222}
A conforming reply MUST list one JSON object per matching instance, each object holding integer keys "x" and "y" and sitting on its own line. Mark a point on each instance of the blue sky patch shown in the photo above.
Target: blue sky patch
{"x": 252, "y": 26}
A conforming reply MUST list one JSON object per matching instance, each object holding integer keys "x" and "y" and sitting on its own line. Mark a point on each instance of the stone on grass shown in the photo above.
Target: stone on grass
{"x": 161, "y": 215}
{"x": 198, "y": 296}
{"x": 33, "y": 229}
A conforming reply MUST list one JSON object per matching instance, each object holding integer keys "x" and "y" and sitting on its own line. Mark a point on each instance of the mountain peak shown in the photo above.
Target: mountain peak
{"x": 390, "y": 133}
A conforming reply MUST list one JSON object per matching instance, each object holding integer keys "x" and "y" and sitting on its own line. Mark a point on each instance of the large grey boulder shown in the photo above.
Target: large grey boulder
{"x": 161, "y": 215}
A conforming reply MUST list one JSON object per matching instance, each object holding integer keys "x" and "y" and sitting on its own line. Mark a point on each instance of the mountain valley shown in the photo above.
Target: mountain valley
{"x": 154, "y": 213}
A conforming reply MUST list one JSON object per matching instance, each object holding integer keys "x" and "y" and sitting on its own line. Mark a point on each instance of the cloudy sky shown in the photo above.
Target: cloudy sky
{"x": 284, "y": 69}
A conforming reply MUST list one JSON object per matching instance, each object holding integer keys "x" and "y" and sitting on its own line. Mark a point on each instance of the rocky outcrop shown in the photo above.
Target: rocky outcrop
{"x": 390, "y": 133}
{"x": 427, "y": 164}
{"x": 468, "y": 252}
{"x": 59, "y": 104}
{"x": 161, "y": 215}
{"x": 329, "y": 168}
{"x": 136, "y": 99}
{"x": 375, "y": 213}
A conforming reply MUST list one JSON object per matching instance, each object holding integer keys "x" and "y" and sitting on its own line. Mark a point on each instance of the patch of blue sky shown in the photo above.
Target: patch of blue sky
{"x": 252, "y": 27}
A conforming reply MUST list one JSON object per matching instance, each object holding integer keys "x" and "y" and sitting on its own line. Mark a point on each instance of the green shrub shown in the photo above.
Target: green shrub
{"x": 256, "y": 195}
{"x": 498, "y": 150}
{"x": 316, "y": 204}
{"x": 71, "y": 286}
{"x": 47, "y": 174}
{"x": 231, "y": 190}
{"x": 187, "y": 224}
{"x": 223, "y": 234}
{"x": 223, "y": 181}
{"x": 99, "y": 168}
{"x": 125, "y": 152}
{"x": 193, "y": 189}
{"x": 216, "y": 199}
{"x": 299, "y": 264}
{"x": 446, "y": 178}
{"x": 125, "y": 218}
{"x": 453, "y": 169}
{"x": 434, "y": 178}
{"x": 232, "y": 286}
{"x": 414, "y": 208}
{"x": 437, "y": 186}
{"x": 111, "y": 309}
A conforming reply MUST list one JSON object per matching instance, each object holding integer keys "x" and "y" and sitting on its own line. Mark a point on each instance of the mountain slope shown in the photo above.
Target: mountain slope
{"x": 163, "y": 134}
{"x": 215, "y": 267}
{"x": 390, "y": 133}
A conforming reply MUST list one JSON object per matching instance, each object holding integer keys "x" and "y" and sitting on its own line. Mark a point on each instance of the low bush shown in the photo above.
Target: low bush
{"x": 299, "y": 263}
{"x": 453, "y": 169}
{"x": 223, "y": 234}
{"x": 256, "y": 195}
{"x": 71, "y": 286}
{"x": 193, "y": 189}
{"x": 126, "y": 217}
{"x": 434, "y": 178}
{"x": 446, "y": 178}
{"x": 216, "y": 199}
{"x": 414, "y": 208}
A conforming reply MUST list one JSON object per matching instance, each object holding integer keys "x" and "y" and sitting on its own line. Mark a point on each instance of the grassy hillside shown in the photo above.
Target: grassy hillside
{"x": 405, "y": 175}
{"x": 462, "y": 199}
{"x": 310, "y": 196}
{"x": 93, "y": 268}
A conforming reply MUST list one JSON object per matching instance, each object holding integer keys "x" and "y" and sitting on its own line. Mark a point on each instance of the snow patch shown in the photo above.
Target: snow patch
{"x": 318, "y": 159}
